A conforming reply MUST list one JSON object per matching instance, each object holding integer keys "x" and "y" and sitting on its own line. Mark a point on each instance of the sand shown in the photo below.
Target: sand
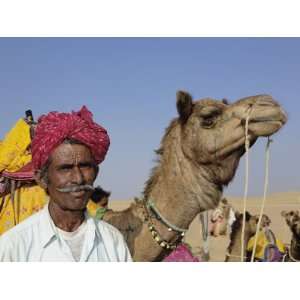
{"x": 275, "y": 203}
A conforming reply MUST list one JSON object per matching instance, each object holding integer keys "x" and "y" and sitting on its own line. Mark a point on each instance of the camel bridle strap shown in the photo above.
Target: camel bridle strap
{"x": 171, "y": 227}
{"x": 247, "y": 146}
{"x": 264, "y": 197}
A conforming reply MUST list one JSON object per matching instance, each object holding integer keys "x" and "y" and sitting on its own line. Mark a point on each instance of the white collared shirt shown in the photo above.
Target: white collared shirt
{"x": 37, "y": 239}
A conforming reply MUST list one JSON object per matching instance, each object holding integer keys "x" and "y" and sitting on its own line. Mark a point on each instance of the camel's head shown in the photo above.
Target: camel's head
{"x": 292, "y": 219}
{"x": 250, "y": 225}
{"x": 236, "y": 233}
{"x": 100, "y": 196}
{"x": 213, "y": 132}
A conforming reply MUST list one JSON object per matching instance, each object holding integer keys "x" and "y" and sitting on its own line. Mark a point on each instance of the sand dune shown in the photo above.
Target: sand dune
{"x": 275, "y": 203}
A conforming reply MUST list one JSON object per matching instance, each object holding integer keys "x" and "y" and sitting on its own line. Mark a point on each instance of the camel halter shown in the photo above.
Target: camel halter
{"x": 267, "y": 159}
{"x": 160, "y": 217}
{"x": 151, "y": 211}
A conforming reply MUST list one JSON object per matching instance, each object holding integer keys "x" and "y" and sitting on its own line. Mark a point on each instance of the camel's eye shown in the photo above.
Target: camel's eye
{"x": 208, "y": 122}
{"x": 209, "y": 115}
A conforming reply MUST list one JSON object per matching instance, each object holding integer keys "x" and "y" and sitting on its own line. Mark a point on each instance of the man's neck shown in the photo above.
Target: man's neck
{"x": 66, "y": 220}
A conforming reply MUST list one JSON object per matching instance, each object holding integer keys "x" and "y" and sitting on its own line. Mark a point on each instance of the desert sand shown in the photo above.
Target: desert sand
{"x": 275, "y": 203}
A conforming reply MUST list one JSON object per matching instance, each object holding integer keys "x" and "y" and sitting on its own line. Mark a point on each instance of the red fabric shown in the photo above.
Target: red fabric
{"x": 181, "y": 254}
{"x": 25, "y": 173}
{"x": 55, "y": 127}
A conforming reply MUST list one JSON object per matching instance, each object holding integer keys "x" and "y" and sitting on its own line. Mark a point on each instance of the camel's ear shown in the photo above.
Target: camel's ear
{"x": 225, "y": 101}
{"x": 237, "y": 214}
{"x": 100, "y": 195}
{"x": 184, "y": 104}
{"x": 248, "y": 216}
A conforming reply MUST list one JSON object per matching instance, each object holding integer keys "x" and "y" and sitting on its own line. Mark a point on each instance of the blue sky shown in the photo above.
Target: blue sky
{"x": 130, "y": 83}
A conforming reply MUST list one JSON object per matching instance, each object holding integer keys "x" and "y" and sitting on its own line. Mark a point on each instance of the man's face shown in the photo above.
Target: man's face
{"x": 71, "y": 165}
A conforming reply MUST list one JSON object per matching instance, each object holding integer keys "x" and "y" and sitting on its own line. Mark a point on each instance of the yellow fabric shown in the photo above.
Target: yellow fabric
{"x": 262, "y": 242}
{"x": 28, "y": 200}
{"x": 92, "y": 208}
{"x": 14, "y": 152}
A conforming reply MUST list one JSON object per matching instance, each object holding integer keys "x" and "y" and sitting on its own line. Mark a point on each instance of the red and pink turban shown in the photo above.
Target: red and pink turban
{"x": 55, "y": 127}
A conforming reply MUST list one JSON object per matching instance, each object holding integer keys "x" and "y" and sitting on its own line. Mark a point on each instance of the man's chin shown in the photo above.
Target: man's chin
{"x": 77, "y": 206}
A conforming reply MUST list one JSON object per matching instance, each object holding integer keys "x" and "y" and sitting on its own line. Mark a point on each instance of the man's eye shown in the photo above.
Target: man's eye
{"x": 86, "y": 166}
{"x": 65, "y": 168}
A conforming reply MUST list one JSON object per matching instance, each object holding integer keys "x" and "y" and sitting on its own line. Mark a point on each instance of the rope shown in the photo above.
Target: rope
{"x": 264, "y": 197}
{"x": 247, "y": 146}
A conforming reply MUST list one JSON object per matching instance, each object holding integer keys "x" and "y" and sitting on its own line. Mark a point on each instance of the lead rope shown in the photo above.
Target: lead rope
{"x": 247, "y": 146}
{"x": 264, "y": 197}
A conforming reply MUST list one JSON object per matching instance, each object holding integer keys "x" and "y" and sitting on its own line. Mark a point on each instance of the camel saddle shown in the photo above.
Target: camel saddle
{"x": 23, "y": 175}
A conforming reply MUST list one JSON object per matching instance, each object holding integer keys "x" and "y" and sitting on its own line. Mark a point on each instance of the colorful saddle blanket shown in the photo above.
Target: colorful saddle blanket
{"x": 181, "y": 254}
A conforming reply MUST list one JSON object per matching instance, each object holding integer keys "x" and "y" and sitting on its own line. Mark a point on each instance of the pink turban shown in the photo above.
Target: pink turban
{"x": 55, "y": 127}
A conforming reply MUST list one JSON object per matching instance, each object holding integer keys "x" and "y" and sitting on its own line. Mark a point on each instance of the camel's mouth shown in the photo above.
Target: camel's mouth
{"x": 276, "y": 116}
{"x": 268, "y": 121}
{"x": 266, "y": 126}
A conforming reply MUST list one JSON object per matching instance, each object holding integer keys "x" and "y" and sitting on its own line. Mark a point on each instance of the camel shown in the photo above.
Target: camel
{"x": 292, "y": 219}
{"x": 268, "y": 249}
{"x": 199, "y": 155}
{"x": 234, "y": 249}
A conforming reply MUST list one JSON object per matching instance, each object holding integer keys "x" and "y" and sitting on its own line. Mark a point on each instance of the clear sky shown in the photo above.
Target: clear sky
{"x": 130, "y": 83}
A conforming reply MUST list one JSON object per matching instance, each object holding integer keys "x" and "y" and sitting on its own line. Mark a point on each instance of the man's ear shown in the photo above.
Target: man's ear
{"x": 96, "y": 172}
{"x": 39, "y": 180}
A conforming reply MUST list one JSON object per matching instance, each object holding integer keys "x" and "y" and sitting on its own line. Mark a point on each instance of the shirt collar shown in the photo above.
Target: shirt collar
{"x": 49, "y": 231}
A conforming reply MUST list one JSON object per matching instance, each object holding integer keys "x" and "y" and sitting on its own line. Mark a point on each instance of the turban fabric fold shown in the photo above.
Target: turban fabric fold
{"x": 55, "y": 127}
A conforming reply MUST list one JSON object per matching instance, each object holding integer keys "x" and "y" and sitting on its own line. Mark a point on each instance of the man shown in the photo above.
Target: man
{"x": 66, "y": 152}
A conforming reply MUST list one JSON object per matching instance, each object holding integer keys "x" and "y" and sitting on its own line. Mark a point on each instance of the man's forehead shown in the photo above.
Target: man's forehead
{"x": 71, "y": 153}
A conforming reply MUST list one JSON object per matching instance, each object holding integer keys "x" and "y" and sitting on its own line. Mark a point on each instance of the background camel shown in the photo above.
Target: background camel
{"x": 268, "y": 247}
{"x": 199, "y": 154}
{"x": 292, "y": 219}
{"x": 234, "y": 249}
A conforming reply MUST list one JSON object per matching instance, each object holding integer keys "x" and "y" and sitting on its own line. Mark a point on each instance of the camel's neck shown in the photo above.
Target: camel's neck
{"x": 295, "y": 248}
{"x": 180, "y": 188}
{"x": 235, "y": 247}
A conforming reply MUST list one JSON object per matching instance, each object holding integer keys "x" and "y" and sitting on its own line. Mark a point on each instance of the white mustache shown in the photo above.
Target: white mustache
{"x": 76, "y": 188}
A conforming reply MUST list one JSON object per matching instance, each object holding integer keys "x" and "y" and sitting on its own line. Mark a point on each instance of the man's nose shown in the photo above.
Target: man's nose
{"x": 77, "y": 176}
